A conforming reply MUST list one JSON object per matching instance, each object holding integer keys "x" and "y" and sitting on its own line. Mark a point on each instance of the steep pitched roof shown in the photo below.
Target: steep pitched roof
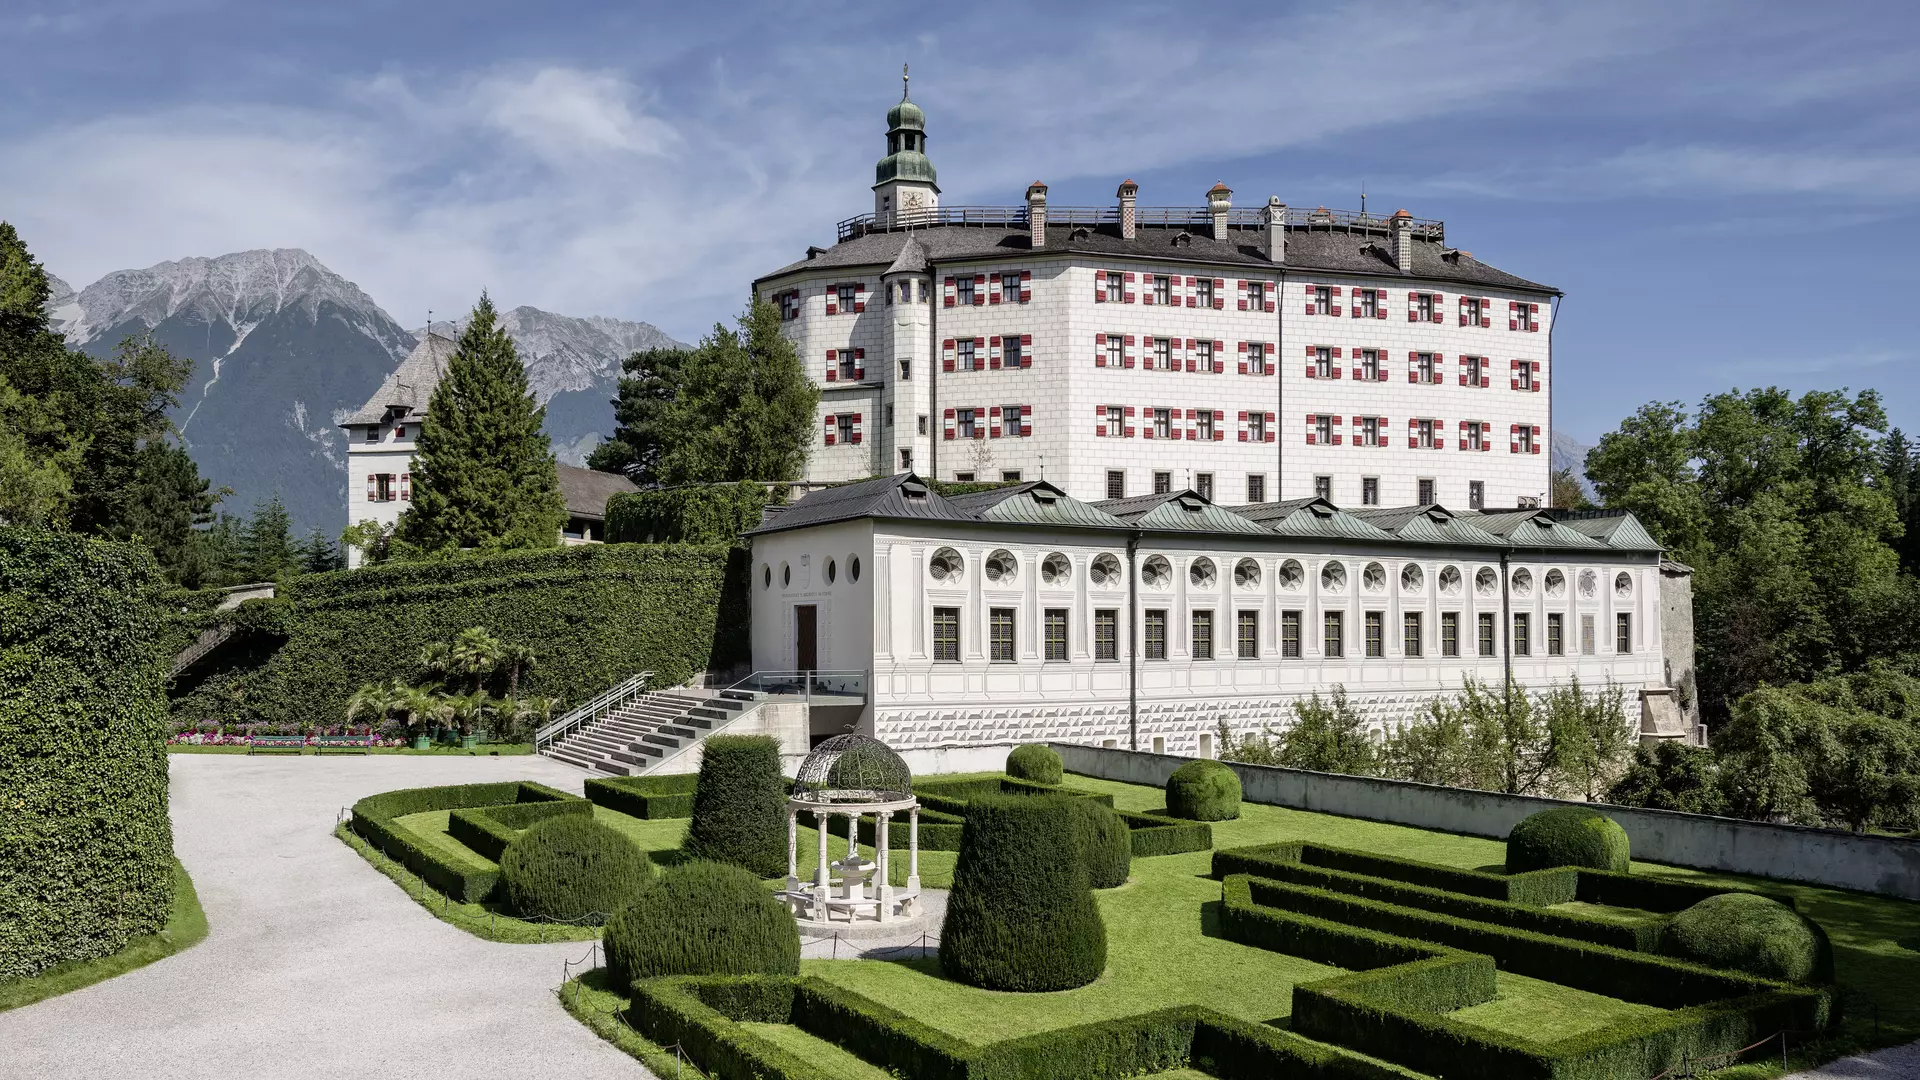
{"x": 900, "y": 496}
{"x": 586, "y": 491}
{"x": 1430, "y": 524}
{"x": 1310, "y": 518}
{"x": 1179, "y": 511}
{"x": 1533, "y": 528}
{"x": 1616, "y": 528}
{"x": 1035, "y": 503}
{"x": 403, "y": 395}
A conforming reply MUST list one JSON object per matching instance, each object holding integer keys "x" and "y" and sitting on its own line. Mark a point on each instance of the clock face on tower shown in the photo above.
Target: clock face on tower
{"x": 913, "y": 200}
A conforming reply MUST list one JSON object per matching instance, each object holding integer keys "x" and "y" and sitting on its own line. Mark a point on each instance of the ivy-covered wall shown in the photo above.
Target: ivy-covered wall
{"x": 699, "y": 514}
{"x": 594, "y": 615}
{"x": 86, "y": 850}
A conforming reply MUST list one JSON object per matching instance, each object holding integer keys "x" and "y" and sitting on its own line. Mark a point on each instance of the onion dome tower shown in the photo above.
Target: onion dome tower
{"x": 905, "y": 187}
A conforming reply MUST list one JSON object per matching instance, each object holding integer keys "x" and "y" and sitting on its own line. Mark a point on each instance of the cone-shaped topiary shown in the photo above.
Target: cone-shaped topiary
{"x": 574, "y": 869}
{"x": 1021, "y": 916}
{"x": 740, "y": 805}
{"x": 1105, "y": 841}
{"x": 702, "y": 918}
{"x": 1204, "y": 791}
{"x": 1750, "y": 933}
{"x": 1034, "y": 762}
{"x": 1567, "y": 836}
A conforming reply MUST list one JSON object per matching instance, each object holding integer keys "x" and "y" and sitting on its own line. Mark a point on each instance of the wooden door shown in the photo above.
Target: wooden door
{"x": 806, "y": 635}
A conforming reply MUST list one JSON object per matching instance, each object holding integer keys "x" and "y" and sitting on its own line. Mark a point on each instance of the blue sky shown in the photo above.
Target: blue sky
{"x": 1727, "y": 192}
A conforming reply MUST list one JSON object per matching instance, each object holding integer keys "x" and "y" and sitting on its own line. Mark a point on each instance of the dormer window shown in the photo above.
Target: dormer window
{"x": 373, "y": 432}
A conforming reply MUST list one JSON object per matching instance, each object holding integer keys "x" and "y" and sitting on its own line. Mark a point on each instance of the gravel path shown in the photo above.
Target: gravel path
{"x": 1892, "y": 1063}
{"x": 316, "y": 965}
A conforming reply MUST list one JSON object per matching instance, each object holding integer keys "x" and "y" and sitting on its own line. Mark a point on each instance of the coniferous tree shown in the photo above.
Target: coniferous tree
{"x": 648, "y": 388}
{"x": 484, "y": 473}
{"x": 266, "y": 547}
{"x": 317, "y": 554}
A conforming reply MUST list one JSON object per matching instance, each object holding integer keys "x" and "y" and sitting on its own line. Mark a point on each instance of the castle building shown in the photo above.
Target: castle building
{"x": 1249, "y": 354}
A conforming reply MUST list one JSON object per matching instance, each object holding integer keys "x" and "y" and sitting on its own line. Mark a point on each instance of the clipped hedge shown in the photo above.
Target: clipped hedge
{"x": 740, "y": 805}
{"x": 595, "y": 615}
{"x": 702, "y": 918}
{"x": 708, "y": 1017}
{"x": 86, "y": 848}
{"x": 1204, "y": 790}
{"x": 1035, "y": 762}
{"x": 1753, "y": 934}
{"x": 571, "y": 868}
{"x": 1150, "y": 834}
{"x": 648, "y": 797}
{"x": 467, "y": 879}
{"x": 1021, "y": 915}
{"x": 1568, "y": 836}
{"x": 1106, "y": 843}
{"x": 489, "y": 829}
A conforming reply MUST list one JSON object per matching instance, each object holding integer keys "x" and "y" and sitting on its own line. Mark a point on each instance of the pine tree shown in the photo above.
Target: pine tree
{"x": 484, "y": 474}
{"x": 317, "y": 554}
{"x": 266, "y": 547}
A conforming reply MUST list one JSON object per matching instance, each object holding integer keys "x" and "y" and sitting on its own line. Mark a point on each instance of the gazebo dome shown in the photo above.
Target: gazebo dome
{"x": 853, "y": 769}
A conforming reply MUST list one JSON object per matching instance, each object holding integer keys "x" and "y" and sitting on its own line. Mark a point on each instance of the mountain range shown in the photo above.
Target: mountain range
{"x": 283, "y": 347}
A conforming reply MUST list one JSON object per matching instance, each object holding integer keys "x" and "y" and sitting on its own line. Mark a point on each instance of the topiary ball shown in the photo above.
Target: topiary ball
{"x": 1034, "y": 763}
{"x": 740, "y": 805}
{"x": 1106, "y": 842}
{"x": 1751, "y": 933}
{"x": 702, "y": 918}
{"x": 574, "y": 869}
{"x": 1204, "y": 790}
{"x": 1021, "y": 916}
{"x": 1567, "y": 836}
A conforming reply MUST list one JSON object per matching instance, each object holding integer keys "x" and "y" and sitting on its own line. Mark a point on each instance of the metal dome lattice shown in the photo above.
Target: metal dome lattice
{"x": 853, "y": 769}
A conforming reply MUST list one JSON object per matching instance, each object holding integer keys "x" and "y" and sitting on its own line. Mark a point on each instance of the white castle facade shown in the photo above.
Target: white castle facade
{"x": 1258, "y": 453}
{"x": 1248, "y": 354}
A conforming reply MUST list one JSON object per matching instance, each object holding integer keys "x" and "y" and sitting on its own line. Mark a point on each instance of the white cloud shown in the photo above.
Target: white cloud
{"x": 564, "y": 114}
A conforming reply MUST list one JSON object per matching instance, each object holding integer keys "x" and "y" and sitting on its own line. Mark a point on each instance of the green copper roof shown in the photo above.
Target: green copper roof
{"x": 906, "y": 146}
{"x": 1035, "y": 503}
{"x": 906, "y": 116}
{"x": 1615, "y": 528}
{"x": 1182, "y": 511}
{"x": 1532, "y": 528}
{"x": 1432, "y": 524}
{"x": 1316, "y": 518}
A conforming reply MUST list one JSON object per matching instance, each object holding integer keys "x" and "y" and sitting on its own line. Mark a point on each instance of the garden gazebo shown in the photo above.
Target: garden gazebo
{"x": 853, "y": 776}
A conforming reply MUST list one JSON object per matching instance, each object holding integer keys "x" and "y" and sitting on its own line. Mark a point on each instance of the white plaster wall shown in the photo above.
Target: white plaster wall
{"x": 846, "y": 604}
{"x": 389, "y": 455}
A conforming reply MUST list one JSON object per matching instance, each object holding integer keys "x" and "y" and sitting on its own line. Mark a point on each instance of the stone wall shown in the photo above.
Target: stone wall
{"x": 1876, "y": 864}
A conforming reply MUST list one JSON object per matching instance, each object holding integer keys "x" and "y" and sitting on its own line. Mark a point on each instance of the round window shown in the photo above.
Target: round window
{"x": 1002, "y": 567}
{"x": 1246, "y": 574}
{"x": 1292, "y": 575}
{"x": 1450, "y": 579}
{"x": 1105, "y": 572}
{"x": 1202, "y": 573}
{"x": 1411, "y": 577}
{"x": 1333, "y": 577}
{"x": 1156, "y": 572}
{"x": 1485, "y": 582}
{"x": 1374, "y": 577}
{"x": 945, "y": 565}
{"x": 1056, "y": 570}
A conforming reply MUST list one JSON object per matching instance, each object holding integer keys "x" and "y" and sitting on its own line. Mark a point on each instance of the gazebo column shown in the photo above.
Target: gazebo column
{"x": 882, "y": 889}
{"x": 793, "y": 849}
{"x": 913, "y": 848}
{"x": 821, "y": 886}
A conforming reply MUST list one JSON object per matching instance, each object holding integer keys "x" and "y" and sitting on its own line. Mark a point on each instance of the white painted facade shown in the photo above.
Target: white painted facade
{"x": 379, "y": 475}
{"x": 896, "y": 360}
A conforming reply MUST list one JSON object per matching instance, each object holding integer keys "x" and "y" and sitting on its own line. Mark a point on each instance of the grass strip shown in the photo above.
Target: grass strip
{"x": 591, "y": 999}
{"x": 481, "y": 920}
{"x": 186, "y": 927}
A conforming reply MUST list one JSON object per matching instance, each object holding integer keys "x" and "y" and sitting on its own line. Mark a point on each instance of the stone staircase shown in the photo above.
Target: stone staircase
{"x": 651, "y": 729}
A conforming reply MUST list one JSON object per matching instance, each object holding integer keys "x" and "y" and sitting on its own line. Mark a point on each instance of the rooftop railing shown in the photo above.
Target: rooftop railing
{"x": 1184, "y": 217}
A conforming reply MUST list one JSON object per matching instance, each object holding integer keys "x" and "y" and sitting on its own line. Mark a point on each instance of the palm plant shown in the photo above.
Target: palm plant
{"x": 476, "y": 655}
{"x": 372, "y": 702}
{"x": 436, "y": 661}
{"x": 530, "y": 714}
{"x": 518, "y": 660}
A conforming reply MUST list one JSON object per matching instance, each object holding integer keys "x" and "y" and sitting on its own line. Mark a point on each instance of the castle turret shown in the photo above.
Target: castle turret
{"x": 904, "y": 180}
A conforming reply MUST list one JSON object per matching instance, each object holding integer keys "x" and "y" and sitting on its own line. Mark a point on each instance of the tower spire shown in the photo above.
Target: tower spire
{"x": 903, "y": 82}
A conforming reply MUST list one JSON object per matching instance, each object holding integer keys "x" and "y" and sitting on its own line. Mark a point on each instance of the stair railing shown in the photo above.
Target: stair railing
{"x": 545, "y": 737}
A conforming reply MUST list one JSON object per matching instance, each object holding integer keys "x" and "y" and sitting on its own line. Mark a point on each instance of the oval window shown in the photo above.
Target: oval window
{"x": 1246, "y": 574}
{"x": 945, "y": 565}
{"x": 1374, "y": 577}
{"x": 1002, "y": 567}
{"x": 1056, "y": 570}
{"x": 1486, "y": 581}
{"x": 1156, "y": 572}
{"x": 786, "y": 575}
{"x": 1202, "y": 574}
{"x": 1411, "y": 578}
{"x": 1588, "y": 584}
{"x": 1105, "y": 572}
{"x": 1450, "y": 579}
{"x": 853, "y": 568}
{"x": 1333, "y": 577}
{"x": 1522, "y": 583}
{"x": 1292, "y": 575}
{"x": 1556, "y": 583}
{"x": 1623, "y": 585}
{"x": 832, "y": 571}
{"x": 766, "y": 576}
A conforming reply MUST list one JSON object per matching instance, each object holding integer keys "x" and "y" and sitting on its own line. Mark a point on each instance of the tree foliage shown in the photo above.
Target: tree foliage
{"x": 484, "y": 474}
{"x": 1328, "y": 736}
{"x": 738, "y": 406}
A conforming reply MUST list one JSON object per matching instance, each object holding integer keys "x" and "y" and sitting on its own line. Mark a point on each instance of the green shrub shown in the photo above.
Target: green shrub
{"x": 86, "y": 848}
{"x": 573, "y": 869}
{"x": 489, "y": 829}
{"x": 702, "y": 918}
{"x": 696, "y": 514}
{"x": 596, "y": 614}
{"x": 1035, "y": 762}
{"x": 1567, "y": 836}
{"x": 466, "y": 878}
{"x": 1750, "y": 933}
{"x": 1105, "y": 842}
{"x": 740, "y": 805}
{"x": 1204, "y": 791}
{"x": 649, "y": 797}
{"x": 1021, "y": 915}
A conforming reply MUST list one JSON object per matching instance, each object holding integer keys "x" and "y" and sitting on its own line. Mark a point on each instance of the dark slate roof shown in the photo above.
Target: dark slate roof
{"x": 586, "y": 491}
{"x": 409, "y": 387}
{"x": 900, "y": 496}
{"x": 1308, "y": 249}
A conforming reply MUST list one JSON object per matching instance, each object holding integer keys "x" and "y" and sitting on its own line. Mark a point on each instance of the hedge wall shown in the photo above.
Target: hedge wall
{"x": 702, "y": 514}
{"x": 86, "y": 850}
{"x": 650, "y": 797}
{"x": 470, "y": 880}
{"x": 1151, "y": 833}
{"x": 489, "y": 829}
{"x": 595, "y": 615}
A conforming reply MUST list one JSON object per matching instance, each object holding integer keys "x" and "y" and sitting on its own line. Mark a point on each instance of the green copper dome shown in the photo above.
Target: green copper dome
{"x": 906, "y": 115}
{"x": 906, "y": 144}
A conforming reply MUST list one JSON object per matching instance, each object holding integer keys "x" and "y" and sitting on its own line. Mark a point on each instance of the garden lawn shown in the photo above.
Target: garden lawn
{"x": 1546, "y": 1011}
{"x": 186, "y": 927}
{"x": 821, "y": 1054}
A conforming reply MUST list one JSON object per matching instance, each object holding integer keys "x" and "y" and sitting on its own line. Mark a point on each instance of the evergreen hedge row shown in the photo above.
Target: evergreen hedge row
{"x": 1150, "y": 834}
{"x": 699, "y": 514}
{"x": 649, "y": 797}
{"x": 469, "y": 880}
{"x": 86, "y": 849}
{"x": 571, "y": 868}
{"x": 702, "y": 918}
{"x": 1394, "y": 1010}
{"x": 489, "y": 829}
{"x": 708, "y": 1016}
{"x": 740, "y": 805}
{"x": 595, "y": 615}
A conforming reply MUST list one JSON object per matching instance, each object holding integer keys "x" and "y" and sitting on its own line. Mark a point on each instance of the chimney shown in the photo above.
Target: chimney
{"x": 1037, "y": 214}
{"x": 1129, "y": 224}
{"x": 1402, "y": 226}
{"x": 1276, "y": 230}
{"x": 1219, "y": 201}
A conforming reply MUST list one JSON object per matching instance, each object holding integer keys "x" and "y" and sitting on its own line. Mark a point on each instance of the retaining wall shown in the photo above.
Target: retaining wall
{"x": 1875, "y": 864}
